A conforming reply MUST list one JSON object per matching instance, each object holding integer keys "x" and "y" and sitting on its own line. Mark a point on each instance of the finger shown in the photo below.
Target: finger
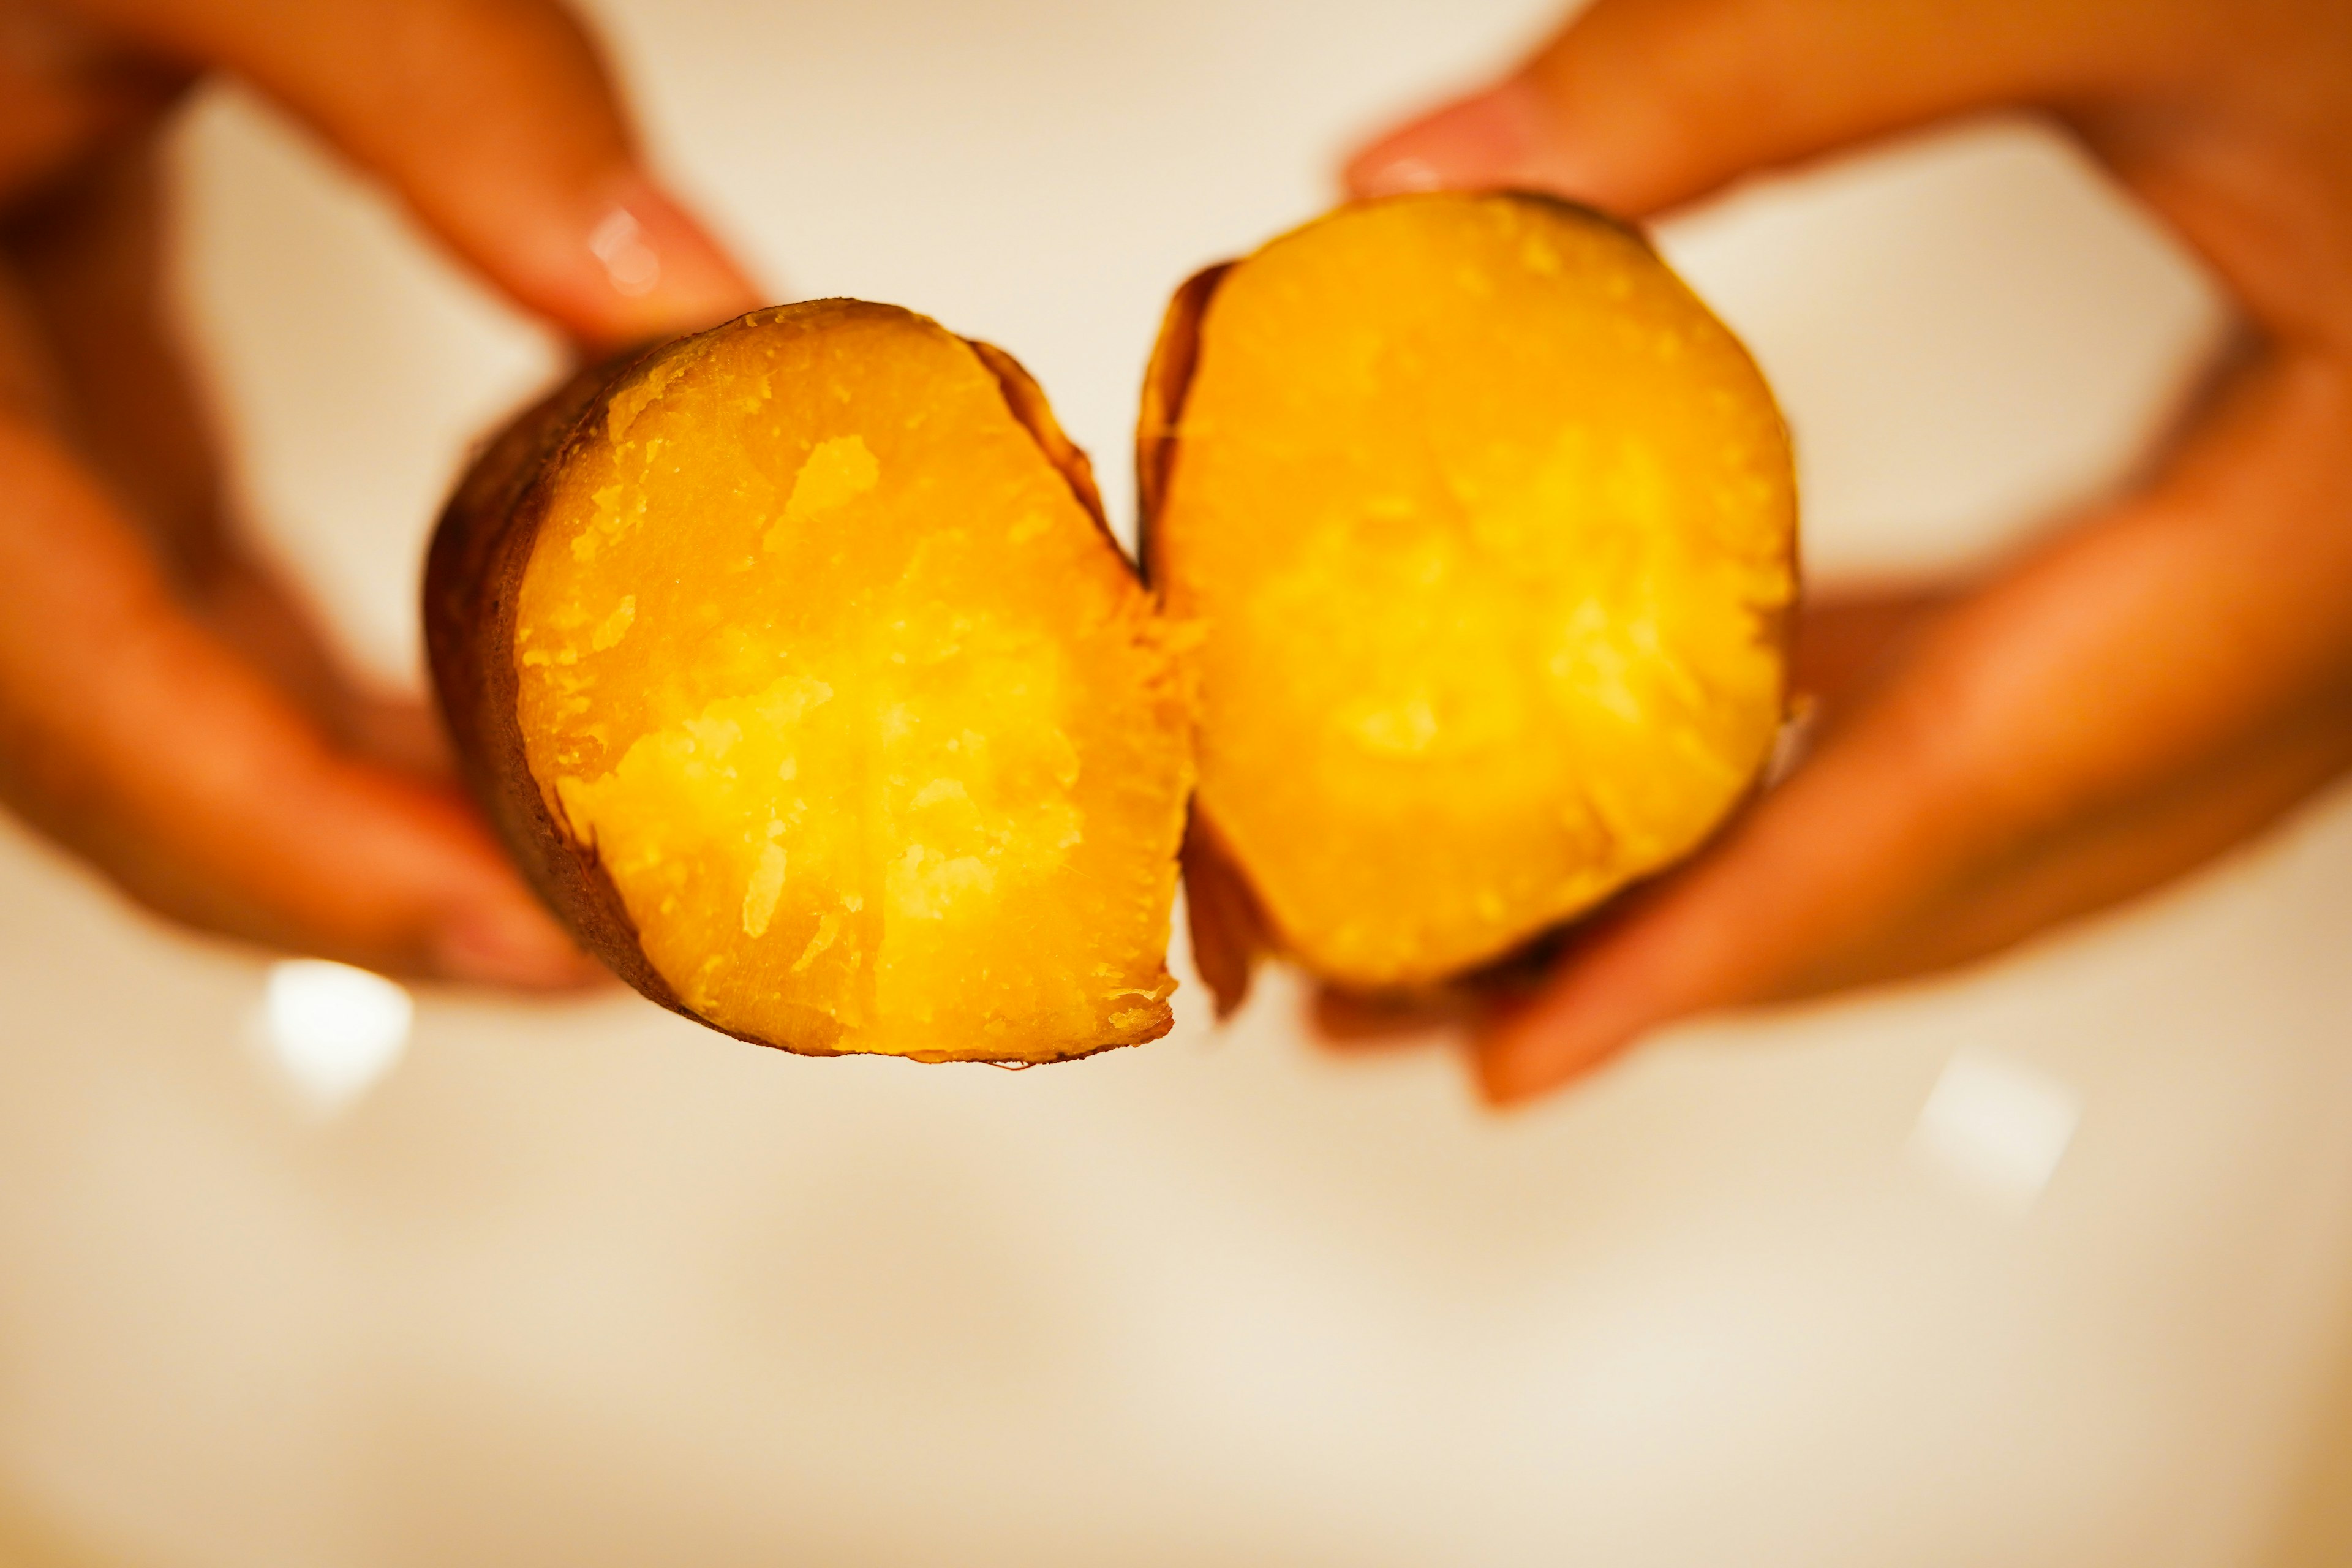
{"x": 68, "y": 88}
{"x": 1844, "y": 643}
{"x": 1353, "y": 1022}
{"x": 2162, "y": 633}
{"x": 1641, "y": 104}
{"x": 81, "y": 287}
{"x": 2113, "y": 855}
{"x": 130, "y": 736}
{"x": 86, "y": 347}
{"x": 2220, "y": 118}
{"x": 496, "y": 123}
{"x": 1841, "y": 642}
{"x": 250, "y": 610}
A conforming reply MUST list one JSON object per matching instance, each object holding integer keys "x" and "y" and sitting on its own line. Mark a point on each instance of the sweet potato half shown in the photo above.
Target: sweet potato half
{"x": 795, "y": 667}
{"x": 1490, "y": 529}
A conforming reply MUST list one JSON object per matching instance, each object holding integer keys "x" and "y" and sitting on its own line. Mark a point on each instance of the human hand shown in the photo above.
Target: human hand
{"x": 167, "y": 710}
{"x": 2164, "y": 679}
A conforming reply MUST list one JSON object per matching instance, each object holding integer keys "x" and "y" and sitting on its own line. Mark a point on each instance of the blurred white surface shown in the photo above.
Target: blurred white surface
{"x": 587, "y": 1285}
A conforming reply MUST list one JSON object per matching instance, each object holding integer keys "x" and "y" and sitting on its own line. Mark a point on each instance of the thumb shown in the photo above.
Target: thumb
{"x": 130, "y": 735}
{"x": 498, "y": 125}
{"x": 1638, "y": 105}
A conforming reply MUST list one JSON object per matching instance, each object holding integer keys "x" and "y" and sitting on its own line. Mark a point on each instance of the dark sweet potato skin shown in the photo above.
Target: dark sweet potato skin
{"x": 1166, "y": 379}
{"x": 1028, "y": 400}
{"x": 473, "y": 577}
{"x": 1230, "y": 936}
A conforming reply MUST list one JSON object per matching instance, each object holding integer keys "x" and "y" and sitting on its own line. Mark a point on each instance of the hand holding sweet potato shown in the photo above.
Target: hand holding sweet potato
{"x": 2141, "y": 692}
{"x": 167, "y": 710}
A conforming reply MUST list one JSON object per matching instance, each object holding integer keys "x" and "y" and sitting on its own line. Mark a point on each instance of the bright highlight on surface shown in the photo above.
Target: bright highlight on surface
{"x": 1998, "y": 1126}
{"x": 335, "y": 1030}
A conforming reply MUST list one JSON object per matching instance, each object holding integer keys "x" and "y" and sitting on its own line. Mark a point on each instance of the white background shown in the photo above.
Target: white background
{"x": 586, "y": 1285}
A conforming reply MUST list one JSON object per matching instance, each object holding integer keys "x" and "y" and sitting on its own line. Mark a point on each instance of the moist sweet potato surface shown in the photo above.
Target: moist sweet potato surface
{"x": 1489, "y": 526}
{"x": 797, "y": 669}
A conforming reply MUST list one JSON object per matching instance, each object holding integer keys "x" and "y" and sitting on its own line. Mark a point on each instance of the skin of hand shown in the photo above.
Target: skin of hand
{"x": 168, "y": 710}
{"x": 2163, "y": 678}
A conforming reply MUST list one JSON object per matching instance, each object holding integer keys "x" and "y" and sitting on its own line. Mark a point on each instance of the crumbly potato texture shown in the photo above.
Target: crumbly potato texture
{"x": 870, "y": 726}
{"x": 1489, "y": 526}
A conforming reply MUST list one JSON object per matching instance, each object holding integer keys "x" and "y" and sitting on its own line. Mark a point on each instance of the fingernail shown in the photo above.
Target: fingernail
{"x": 660, "y": 272}
{"x": 1491, "y": 140}
{"x": 513, "y": 945}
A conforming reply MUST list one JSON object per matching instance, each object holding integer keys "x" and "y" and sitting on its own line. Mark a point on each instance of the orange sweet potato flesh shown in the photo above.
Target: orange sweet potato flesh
{"x": 1489, "y": 529}
{"x": 797, "y": 670}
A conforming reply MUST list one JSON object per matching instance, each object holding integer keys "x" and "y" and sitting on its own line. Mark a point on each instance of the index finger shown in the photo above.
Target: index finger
{"x": 1640, "y": 105}
{"x": 2117, "y": 659}
{"x": 137, "y": 741}
{"x": 498, "y": 123}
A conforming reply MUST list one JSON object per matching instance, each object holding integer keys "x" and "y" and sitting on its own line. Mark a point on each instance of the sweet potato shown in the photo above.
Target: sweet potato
{"x": 1489, "y": 526}
{"x": 798, "y": 671}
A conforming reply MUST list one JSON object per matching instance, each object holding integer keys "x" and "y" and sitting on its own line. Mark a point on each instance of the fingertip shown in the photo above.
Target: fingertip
{"x": 1354, "y": 1021}
{"x": 646, "y": 267}
{"x": 1491, "y": 138}
{"x": 511, "y": 945}
{"x": 1531, "y": 1052}
{"x": 1504, "y": 1077}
